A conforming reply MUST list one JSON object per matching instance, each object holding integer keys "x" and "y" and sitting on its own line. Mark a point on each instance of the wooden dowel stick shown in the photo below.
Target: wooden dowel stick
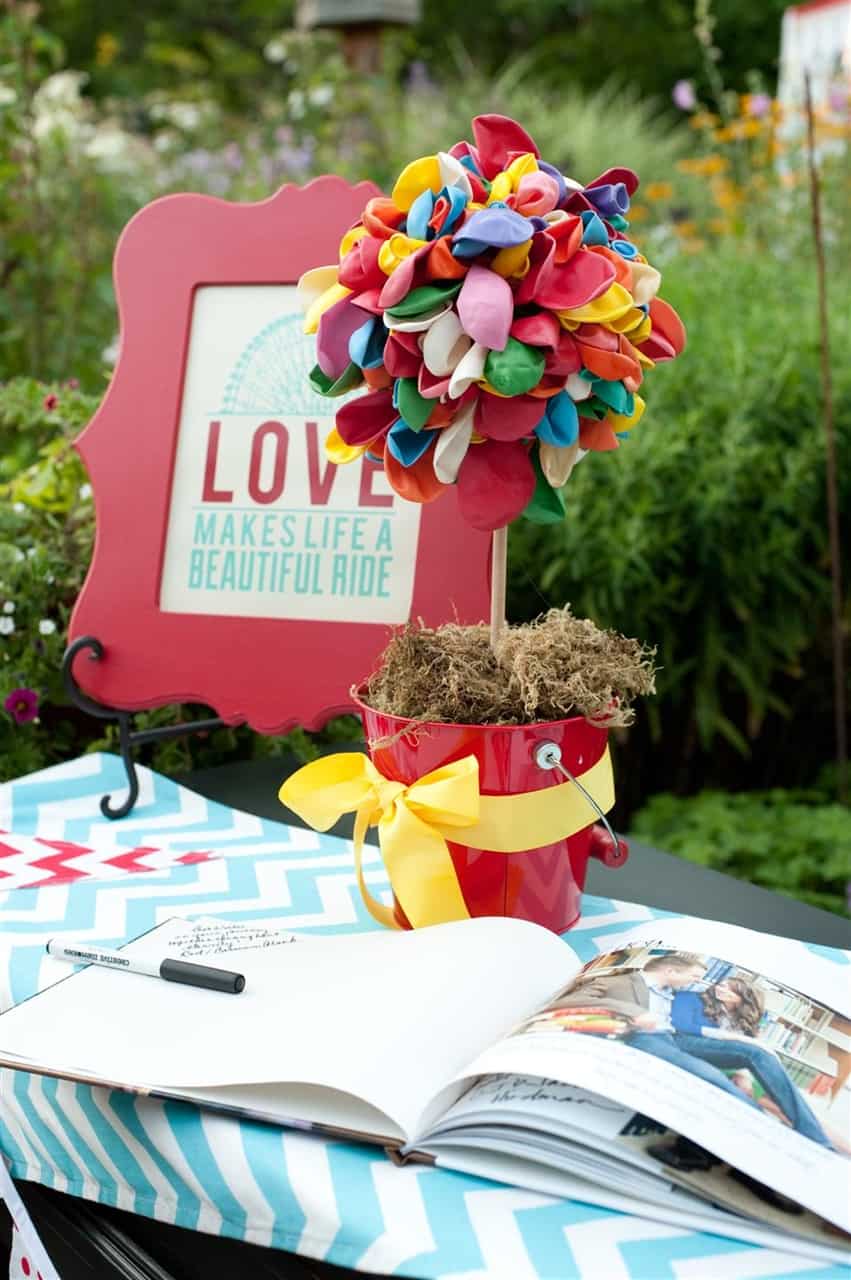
{"x": 499, "y": 571}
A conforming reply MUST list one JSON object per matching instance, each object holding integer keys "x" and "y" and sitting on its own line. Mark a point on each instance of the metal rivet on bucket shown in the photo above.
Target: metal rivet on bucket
{"x": 547, "y": 755}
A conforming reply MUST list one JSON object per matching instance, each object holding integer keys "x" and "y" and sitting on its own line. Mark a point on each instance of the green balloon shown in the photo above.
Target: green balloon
{"x": 350, "y": 378}
{"x": 413, "y": 407}
{"x": 547, "y": 504}
{"x": 426, "y": 298}
{"x": 515, "y": 370}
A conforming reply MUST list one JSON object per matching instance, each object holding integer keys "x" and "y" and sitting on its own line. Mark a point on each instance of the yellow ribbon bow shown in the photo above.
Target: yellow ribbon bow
{"x": 415, "y": 821}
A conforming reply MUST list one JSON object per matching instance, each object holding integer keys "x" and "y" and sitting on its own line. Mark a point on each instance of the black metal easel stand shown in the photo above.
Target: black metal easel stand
{"x": 128, "y": 738}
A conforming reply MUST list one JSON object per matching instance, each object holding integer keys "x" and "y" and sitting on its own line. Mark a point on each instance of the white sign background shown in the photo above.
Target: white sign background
{"x": 331, "y": 545}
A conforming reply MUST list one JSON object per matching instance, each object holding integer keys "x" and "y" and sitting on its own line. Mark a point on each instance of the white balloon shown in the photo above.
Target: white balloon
{"x": 453, "y": 173}
{"x": 577, "y": 388}
{"x": 416, "y": 324}
{"x": 469, "y": 369}
{"x": 444, "y": 344}
{"x": 452, "y": 445}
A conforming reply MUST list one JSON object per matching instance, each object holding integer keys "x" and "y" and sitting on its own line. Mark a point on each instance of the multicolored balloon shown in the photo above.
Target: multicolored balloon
{"x": 501, "y": 321}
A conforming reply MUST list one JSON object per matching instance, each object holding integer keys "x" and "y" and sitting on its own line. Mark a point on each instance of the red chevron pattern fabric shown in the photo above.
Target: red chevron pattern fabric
{"x": 32, "y": 862}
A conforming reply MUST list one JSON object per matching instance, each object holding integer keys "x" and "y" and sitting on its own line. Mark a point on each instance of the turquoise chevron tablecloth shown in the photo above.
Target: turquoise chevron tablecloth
{"x": 327, "y": 1200}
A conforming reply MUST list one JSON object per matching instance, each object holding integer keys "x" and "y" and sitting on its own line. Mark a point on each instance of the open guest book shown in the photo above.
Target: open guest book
{"x": 697, "y": 1075}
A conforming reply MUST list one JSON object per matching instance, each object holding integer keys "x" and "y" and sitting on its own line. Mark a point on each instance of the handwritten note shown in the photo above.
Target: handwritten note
{"x": 221, "y": 937}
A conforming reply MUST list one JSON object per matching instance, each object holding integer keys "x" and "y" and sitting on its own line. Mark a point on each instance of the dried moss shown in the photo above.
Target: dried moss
{"x": 555, "y": 667}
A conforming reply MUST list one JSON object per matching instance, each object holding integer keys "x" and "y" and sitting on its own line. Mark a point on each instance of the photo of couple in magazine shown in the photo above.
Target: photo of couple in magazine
{"x": 712, "y": 1019}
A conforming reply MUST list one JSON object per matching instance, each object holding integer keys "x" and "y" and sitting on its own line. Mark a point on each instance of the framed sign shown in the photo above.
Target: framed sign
{"x": 233, "y": 564}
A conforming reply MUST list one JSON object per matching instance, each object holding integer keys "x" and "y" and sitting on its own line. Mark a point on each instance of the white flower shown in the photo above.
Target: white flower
{"x": 18, "y": 508}
{"x": 320, "y": 96}
{"x": 107, "y": 144}
{"x": 9, "y": 606}
{"x": 295, "y": 101}
{"x": 84, "y": 491}
{"x": 109, "y": 355}
{"x": 7, "y": 95}
{"x": 275, "y": 50}
{"x": 32, "y": 552}
{"x": 49, "y": 578}
{"x": 19, "y": 555}
{"x": 46, "y": 627}
{"x": 63, "y": 87}
{"x": 7, "y": 626}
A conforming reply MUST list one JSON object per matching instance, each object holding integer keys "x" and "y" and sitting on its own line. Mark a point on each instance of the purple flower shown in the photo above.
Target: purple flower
{"x": 684, "y": 96}
{"x": 22, "y": 705}
{"x": 232, "y": 156}
{"x": 838, "y": 98}
{"x": 759, "y": 104}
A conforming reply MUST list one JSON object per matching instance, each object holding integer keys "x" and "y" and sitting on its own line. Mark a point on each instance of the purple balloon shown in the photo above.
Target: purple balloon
{"x": 609, "y": 198}
{"x": 559, "y": 177}
{"x": 497, "y": 226}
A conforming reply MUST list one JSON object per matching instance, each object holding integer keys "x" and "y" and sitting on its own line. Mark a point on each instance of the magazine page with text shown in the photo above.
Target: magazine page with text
{"x": 698, "y": 1055}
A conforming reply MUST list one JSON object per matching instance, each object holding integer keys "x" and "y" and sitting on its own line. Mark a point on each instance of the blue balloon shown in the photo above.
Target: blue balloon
{"x": 615, "y": 395}
{"x": 625, "y": 248}
{"x": 594, "y": 229}
{"x": 418, "y": 215}
{"x": 408, "y": 446}
{"x": 560, "y": 424}
{"x": 366, "y": 345}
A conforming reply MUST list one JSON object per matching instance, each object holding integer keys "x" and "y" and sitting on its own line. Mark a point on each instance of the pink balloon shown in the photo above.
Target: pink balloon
{"x": 486, "y": 308}
{"x": 336, "y": 326}
{"x": 401, "y": 281}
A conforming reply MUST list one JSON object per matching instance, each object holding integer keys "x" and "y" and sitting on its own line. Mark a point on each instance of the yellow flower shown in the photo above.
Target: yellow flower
{"x": 685, "y": 228}
{"x": 656, "y": 191}
{"x": 107, "y": 48}
{"x": 704, "y": 166}
{"x": 638, "y": 213}
{"x": 702, "y": 120}
{"x": 726, "y": 194}
{"x": 720, "y": 226}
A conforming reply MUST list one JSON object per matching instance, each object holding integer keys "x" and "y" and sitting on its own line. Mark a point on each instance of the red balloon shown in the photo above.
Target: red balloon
{"x": 495, "y": 484}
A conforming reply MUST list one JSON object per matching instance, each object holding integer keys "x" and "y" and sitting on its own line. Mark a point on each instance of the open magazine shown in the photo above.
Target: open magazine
{"x": 696, "y": 1074}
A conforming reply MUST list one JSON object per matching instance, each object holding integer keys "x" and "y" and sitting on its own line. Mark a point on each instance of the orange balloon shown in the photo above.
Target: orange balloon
{"x": 377, "y": 379}
{"x": 597, "y": 435}
{"x": 440, "y": 264}
{"x": 417, "y": 483}
{"x": 381, "y": 217}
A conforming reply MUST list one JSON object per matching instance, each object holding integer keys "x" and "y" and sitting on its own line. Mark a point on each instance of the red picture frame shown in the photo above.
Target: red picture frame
{"x": 270, "y": 673}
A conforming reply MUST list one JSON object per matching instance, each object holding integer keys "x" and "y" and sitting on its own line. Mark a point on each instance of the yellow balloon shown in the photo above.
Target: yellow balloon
{"x": 395, "y": 250}
{"x": 626, "y": 421}
{"x": 629, "y": 324}
{"x": 513, "y": 261}
{"x": 318, "y": 308}
{"x": 416, "y": 177}
{"x": 500, "y": 187}
{"x": 340, "y": 452}
{"x": 611, "y": 305}
{"x": 520, "y": 167}
{"x": 351, "y": 237}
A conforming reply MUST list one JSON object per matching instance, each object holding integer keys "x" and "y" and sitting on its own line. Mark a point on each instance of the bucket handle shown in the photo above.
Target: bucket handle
{"x": 547, "y": 755}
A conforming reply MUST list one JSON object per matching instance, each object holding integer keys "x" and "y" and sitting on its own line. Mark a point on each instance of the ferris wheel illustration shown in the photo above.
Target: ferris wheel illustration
{"x": 271, "y": 374}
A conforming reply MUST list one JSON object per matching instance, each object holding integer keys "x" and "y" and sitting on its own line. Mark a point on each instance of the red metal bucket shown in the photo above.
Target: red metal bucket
{"x": 543, "y": 885}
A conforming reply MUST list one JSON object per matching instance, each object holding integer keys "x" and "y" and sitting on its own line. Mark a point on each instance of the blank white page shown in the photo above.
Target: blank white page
{"x": 388, "y": 1017}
